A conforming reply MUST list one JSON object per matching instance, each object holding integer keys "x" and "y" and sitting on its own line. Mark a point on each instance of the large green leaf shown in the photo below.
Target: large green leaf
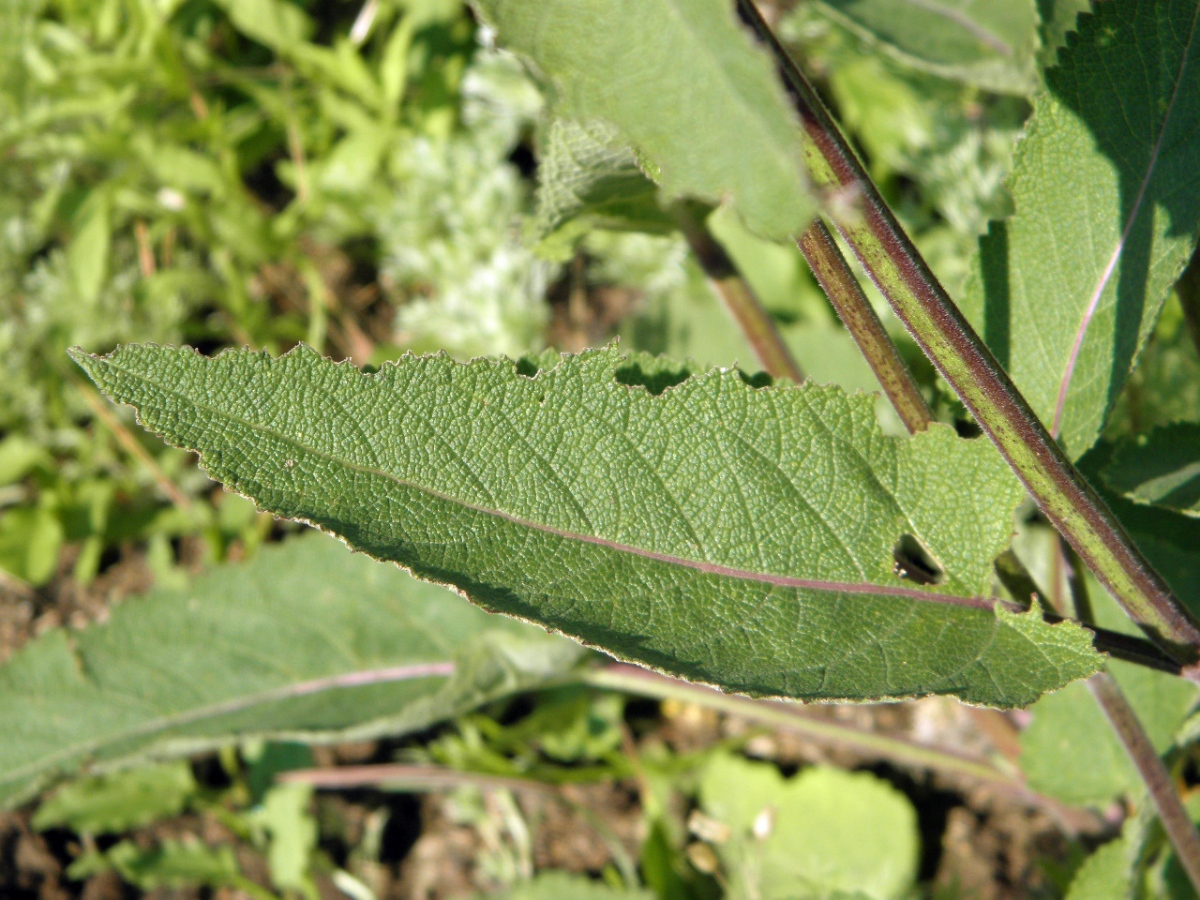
{"x": 738, "y": 536}
{"x": 982, "y": 42}
{"x": 307, "y": 640}
{"x": 1106, "y": 187}
{"x": 682, "y": 83}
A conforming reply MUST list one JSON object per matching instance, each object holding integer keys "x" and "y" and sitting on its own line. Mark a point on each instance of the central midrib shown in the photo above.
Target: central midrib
{"x": 702, "y": 566}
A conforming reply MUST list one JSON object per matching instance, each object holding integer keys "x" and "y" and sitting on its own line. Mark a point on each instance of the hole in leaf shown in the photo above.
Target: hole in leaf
{"x": 655, "y": 375}
{"x": 757, "y": 380}
{"x": 967, "y": 428}
{"x": 914, "y": 563}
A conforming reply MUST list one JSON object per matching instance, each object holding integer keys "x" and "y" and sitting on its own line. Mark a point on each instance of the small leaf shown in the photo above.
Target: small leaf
{"x": 1163, "y": 469}
{"x": 120, "y": 801}
{"x": 827, "y": 830}
{"x": 992, "y": 45}
{"x": 682, "y": 83}
{"x": 1104, "y": 875}
{"x": 1106, "y": 186}
{"x": 731, "y": 535}
{"x": 307, "y": 640}
{"x": 589, "y": 178}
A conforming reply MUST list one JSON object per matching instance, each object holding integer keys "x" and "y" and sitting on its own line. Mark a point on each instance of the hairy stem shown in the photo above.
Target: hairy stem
{"x": 931, "y": 317}
{"x": 755, "y": 322}
{"x": 857, "y": 314}
{"x": 1129, "y": 731}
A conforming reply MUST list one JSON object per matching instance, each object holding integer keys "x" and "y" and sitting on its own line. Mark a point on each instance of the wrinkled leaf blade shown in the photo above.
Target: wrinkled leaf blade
{"x": 681, "y": 82}
{"x": 256, "y": 650}
{"x": 1106, "y": 186}
{"x": 736, "y": 536}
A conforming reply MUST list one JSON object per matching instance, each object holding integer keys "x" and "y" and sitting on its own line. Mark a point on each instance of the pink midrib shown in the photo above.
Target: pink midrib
{"x": 1090, "y": 312}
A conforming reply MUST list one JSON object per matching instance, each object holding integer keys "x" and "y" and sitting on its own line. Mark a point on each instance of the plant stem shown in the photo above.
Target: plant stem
{"x": 942, "y": 332}
{"x": 857, "y": 314}
{"x": 642, "y": 682}
{"x": 756, "y": 323}
{"x": 1133, "y": 737}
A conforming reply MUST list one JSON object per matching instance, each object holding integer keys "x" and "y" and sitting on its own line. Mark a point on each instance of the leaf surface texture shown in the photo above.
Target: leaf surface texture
{"x": 684, "y": 84}
{"x": 307, "y": 640}
{"x": 1106, "y": 186}
{"x": 731, "y": 535}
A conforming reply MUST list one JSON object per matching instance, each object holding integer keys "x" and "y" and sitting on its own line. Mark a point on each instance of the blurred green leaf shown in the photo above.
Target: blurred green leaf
{"x": 273, "y": 23}
{"x": 1104, "y": 875}
{"x": 87, "y": 254}
{"x": 686, "y": 87}
{"x": 172, "y": 864}
{"x": 992, "y": 45}
{"x": 119, "y": 801}
{"x": 1069, "y": 725}
{"x": 30, "y": 538}
{"x": 292, "y": 829}
{"x": 308, "y": 640}
{"x": 822, "y": 833}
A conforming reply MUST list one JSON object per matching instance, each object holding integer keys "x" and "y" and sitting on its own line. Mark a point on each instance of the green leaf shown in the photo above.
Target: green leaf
{"x": 119, "y": 801}
{"x": 307, "y": 640}
{"x": 562, "y": 885}
{"x": 1059, "y": 18}
{"x": 1069, "y": 725}
{"x": 982, "y": 42}
{"x": 738, "y": 536}
{"x": 681, "y": 82}
{"x": 173, "y": 864}
{"x": 1106, "y": 187}
{"x": 273, "y": 23}
{"x": 589, "y": 178}
{"x": 1104, "y": 875}
{"x": 823, "y": 832}
{"x": 1162, "y": 469}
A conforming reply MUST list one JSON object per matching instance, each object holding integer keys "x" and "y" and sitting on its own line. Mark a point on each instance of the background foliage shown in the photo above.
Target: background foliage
{"x": 378, "y": 178}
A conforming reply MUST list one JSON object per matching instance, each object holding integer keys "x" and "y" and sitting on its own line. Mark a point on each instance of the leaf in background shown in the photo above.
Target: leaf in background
{"x": 563, "y": 885}
{"x": 1059, "y": 18}
{"x": 1106, "y": 186}
{"x": 119, "y": 801}
{"x": 1161, "y": 469}
{"x": 1104, "y": 875}
{"x": 306, "y": 640}
{"x": 1069, "y": 725}
{"x": 276, "y": 24}
{"x": 827, "y": 830}
{"x": 682, "y": 83}
{"x": 727, "y": 534}
{"x": 982, "y": 42}
{"x": 589, "y": 178}
{"x": 87, "y": 254}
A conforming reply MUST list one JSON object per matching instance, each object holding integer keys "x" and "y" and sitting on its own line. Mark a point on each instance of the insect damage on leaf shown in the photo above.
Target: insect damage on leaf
{"x": 739, "y": 536}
